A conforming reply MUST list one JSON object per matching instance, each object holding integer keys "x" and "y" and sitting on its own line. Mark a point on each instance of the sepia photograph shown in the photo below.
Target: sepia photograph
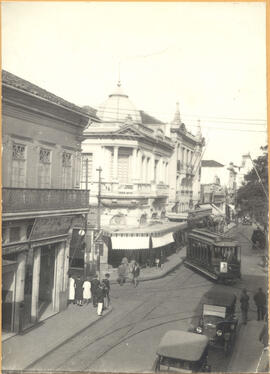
{"x": 134, "y": 187}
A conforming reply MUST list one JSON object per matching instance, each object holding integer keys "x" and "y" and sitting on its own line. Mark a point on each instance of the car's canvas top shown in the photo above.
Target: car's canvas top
{"x": 182, "y": 345}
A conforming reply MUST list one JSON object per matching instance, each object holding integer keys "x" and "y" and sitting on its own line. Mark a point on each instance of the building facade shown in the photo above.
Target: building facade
{"x": 42, "y": 201}
{"x": 185, "y": 165}
{"x": 148, "y": 169}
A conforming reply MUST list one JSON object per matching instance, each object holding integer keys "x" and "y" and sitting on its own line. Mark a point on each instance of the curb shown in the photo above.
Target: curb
{"x": 153, "y": 277}
{"x": 64, "y": 341}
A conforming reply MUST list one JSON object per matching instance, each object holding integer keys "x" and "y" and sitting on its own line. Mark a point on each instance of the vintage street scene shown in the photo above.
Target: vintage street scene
{"x": 134, "y": 187}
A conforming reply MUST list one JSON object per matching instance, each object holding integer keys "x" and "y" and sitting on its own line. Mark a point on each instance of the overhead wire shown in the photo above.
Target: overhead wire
{"x": 208, "y": 127}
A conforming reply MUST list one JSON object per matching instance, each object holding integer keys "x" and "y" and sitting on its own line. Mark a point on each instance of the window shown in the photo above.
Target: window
{"x": 87, "y": 167}
{"x": 66, "y": 170}
{"x": 18, "y": 172}
{"x": 44, "y": 168}
{"x": 14, "y": 234}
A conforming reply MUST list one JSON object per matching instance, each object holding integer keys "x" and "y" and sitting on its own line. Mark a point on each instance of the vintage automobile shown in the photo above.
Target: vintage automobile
{"x": 218, "y": 321}
{"x": 182, "y": 351}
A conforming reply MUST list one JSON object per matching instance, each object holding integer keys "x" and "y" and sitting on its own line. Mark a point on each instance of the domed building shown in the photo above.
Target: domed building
{"x": 139, "y": 179}
{"x": 118, "y": 108}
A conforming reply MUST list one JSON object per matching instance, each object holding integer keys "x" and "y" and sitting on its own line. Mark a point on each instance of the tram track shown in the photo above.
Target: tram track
{"x": 123, "y": 330}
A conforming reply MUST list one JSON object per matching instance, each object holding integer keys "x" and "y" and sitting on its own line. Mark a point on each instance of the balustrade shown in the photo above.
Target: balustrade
{"x": 39, "y": 199}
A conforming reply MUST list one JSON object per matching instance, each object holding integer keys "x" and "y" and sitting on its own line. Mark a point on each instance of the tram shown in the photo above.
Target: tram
{"x": 214, "y": 255}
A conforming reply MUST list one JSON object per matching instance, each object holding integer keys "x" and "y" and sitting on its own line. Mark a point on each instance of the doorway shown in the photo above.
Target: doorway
{"x": 46, "y": 281}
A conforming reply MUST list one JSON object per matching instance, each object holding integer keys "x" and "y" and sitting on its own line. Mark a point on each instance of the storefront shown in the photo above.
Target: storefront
{"x": 35, "y": 274}
{"x": 143, "y": 244}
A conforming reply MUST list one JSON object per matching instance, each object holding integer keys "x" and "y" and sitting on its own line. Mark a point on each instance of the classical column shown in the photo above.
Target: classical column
{"x": 152, "y": 169}
{"x": 19, "y": 289}
{"x": 134, "y": 164}
{"x": 115, "y": 162}
{"x": 59, "y": 275}
{"x": 143, "y": 169}
{"x": 35, "y": 284}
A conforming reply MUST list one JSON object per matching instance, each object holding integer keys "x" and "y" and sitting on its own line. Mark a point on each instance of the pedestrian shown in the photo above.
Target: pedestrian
{"x": 260, "y": 301}
{"x": 244, "y": 301}
{"x": 94, "y": 285}
{"x": 157, "y": 262}
{"x": 121, "y": 274}
{"x": 71, "y": 291}
{"x": 79, "y": 291}
{"x": 87, "y": 291}
{"x": 106, "y": 286}
{"x": 100, "y": 299}
{"x": 135, "y": 274}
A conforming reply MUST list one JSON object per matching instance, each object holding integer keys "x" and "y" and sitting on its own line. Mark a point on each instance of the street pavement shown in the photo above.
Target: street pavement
{"x": 126, "y": 338}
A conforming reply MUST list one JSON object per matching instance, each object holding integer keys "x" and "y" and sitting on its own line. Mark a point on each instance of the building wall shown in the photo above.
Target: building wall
{"x": 36, "y": 130}
{"x": 208, "y": 175}
{"x": 39, "y": 132}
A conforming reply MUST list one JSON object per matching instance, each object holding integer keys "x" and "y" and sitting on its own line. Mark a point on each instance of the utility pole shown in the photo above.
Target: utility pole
{"x": 98, "y": 244}
{"x": 87, "y": 238}
{"x": 99, "y": 197}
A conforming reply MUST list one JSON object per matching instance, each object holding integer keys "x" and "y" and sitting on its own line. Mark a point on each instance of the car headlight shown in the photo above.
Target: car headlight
{"x": 219, "y": 332}
{"x": 199, "y": 329}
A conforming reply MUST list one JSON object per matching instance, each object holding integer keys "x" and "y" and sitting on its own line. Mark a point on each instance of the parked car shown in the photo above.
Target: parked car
{"x": 182, "y": 351}
{"x": 218, "y": 321}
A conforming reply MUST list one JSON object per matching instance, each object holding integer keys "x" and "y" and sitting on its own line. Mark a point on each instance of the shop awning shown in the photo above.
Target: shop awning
{"x": 130, "y": 243}
{"x": 160, "y": 241}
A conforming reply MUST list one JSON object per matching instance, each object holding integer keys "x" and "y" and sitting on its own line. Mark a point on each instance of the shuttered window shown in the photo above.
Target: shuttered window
{"x": 123, "y": 169}
{"x": 87, "y": 170}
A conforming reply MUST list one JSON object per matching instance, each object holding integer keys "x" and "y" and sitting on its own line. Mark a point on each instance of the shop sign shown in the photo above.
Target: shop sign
{"x": 47, "y": 227}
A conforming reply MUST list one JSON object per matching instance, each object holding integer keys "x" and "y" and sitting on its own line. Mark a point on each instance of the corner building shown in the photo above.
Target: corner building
{"x": 41, "y": 202}
{"x": 140, "y": 180}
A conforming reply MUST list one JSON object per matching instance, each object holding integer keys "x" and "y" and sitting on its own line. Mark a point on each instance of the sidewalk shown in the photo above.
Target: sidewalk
{"x": 248, "y": 349}
{"x": 56, "y": 330}
{"x": 20, "y": 351}
{"x": 151, "y": 273}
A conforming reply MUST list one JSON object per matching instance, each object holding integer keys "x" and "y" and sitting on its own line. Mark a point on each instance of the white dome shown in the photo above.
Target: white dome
{"x": 118, "y": 108}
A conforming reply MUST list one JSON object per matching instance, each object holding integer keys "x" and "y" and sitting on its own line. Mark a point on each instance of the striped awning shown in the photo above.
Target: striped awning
{"x": 130, "y": 243}
{"x": 160, "y": 241}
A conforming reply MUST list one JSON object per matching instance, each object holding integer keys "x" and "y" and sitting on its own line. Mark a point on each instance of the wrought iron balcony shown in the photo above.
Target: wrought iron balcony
{"x": 36, "y": 199}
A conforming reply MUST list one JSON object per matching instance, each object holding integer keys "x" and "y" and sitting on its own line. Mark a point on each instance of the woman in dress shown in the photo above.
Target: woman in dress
{"x": 79, "y": 291}
{"x": 71, "y": 293}
{"x": 87, "y": 291}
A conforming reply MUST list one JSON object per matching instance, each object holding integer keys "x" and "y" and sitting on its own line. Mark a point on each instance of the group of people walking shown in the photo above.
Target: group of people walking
{"x": 124, "y": 269}
{"x": 260, "y": 301}
{"x": 85, "y": 291}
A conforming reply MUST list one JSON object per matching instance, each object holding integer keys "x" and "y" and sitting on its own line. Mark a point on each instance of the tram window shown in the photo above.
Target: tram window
{"x": 238, "y": 253}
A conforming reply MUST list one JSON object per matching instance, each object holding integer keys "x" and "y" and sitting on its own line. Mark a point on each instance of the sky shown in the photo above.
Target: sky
{"x": 211, "y": 57}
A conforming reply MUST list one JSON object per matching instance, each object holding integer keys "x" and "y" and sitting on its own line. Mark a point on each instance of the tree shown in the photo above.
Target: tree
{"x": 251, "y": 198}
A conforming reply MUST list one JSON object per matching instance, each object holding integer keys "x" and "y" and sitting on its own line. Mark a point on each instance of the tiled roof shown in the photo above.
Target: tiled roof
{"x": 149, "y": 120}
{"x": 22, "y": 84}
{"x": 211, "y": 164}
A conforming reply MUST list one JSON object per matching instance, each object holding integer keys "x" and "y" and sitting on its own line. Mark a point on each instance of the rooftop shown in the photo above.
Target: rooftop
{"x": 211, "y": 164}
{"x": 13, "y": 80}
{"x": 147, "y": 119}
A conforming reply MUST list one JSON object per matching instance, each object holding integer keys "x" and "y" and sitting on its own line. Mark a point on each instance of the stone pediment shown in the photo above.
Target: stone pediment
{"x": 130, "y": 131}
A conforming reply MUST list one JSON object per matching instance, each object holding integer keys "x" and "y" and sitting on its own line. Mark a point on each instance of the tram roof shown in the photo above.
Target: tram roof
{"x": 182, "y": 345}
{"x": 213, "y": 238}
{"x": 219, "y": 297}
